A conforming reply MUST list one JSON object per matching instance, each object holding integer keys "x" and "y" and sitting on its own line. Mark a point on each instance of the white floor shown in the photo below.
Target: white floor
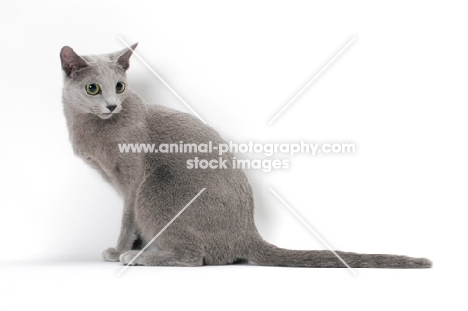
{"x": 96, "y": 286}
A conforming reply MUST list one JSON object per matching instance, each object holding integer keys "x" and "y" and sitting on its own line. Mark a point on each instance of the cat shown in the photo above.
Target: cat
{"x": 218, "y": 228}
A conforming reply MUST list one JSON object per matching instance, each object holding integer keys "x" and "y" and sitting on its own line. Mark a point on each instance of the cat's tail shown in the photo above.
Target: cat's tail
{"x": 265, "y": 254}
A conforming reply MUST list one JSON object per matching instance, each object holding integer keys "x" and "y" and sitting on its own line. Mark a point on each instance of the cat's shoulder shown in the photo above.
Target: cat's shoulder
{"x": 171, "y": 117}
{"x": 178, "y": 124}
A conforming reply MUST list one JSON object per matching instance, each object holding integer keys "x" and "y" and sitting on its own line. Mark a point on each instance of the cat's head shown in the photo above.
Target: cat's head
{"x": 95, "y": 84}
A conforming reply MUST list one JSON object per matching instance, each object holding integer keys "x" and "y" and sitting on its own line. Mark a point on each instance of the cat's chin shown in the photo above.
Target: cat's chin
{"x": 105, "y": 116}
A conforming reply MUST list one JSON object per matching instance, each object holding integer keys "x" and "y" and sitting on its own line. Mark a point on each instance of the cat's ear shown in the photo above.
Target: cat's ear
{"x": 71, "y": 61}
{"x": 124, "y": 56}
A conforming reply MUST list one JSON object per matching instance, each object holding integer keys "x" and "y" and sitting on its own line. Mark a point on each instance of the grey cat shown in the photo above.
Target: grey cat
{"x": 218, "y": 228}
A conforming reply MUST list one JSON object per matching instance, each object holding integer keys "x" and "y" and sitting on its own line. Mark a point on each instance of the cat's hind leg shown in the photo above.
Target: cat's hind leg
{"x": 162, "y": 258}
{"x": 175, "y": 247}
{"x": 158, "y": 201}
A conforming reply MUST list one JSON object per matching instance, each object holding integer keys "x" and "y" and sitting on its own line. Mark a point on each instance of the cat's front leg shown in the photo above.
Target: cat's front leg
{"x": 110, "y": 254}
{"x": 128, "y": 233}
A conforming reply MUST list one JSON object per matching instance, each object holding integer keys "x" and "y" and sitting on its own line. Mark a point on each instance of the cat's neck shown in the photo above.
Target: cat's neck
{"x": 78, "y": 121}
{"x": 82, "y": 125}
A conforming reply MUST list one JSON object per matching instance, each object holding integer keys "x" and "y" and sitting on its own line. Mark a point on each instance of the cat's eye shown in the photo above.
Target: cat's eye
{"x": 120, "y": 87}
{"x": 92, "y": 88}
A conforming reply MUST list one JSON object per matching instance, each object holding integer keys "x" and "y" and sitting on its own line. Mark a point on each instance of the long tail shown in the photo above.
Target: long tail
{"x": 266, "y": 254}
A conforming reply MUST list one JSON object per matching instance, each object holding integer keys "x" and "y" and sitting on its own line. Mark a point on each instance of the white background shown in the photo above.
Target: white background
{"x": 398, "y": 93}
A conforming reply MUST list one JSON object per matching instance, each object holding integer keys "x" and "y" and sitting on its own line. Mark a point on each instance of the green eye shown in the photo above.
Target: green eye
{"x": 120, "y": 87}
{"x": 92, "y": 88}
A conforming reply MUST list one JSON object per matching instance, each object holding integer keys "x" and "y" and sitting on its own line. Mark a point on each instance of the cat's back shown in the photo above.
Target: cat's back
{"x": 167, "y": 125}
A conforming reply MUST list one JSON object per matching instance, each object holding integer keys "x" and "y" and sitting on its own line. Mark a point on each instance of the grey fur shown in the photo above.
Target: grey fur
{"x": 218, "y": 228}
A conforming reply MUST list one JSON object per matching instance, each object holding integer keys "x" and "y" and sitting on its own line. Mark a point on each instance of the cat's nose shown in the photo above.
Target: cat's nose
{"x": 111, "y": 107}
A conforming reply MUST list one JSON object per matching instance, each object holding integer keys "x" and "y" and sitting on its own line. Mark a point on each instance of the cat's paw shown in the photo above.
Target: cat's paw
{"x": 110, "y": 254}
{"x": 127, "y": 257}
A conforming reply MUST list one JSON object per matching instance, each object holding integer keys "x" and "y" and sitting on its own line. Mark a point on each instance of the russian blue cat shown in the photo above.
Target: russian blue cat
{"x": 218, "y": 228}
